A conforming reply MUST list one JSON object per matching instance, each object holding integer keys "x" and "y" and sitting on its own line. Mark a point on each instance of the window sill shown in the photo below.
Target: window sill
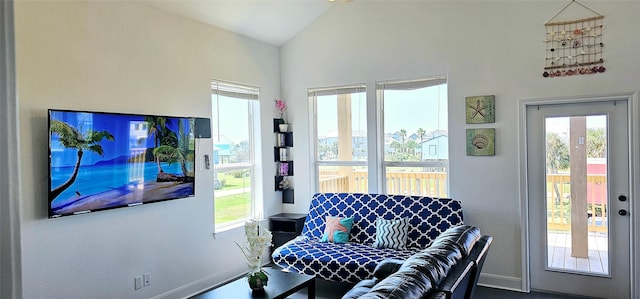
{"x": 224, "y": 230}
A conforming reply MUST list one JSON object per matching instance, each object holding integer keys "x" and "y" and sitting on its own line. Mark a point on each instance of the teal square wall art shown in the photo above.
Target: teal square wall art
{"x": 481, "y": 142}
{"x": 480, "y": 109}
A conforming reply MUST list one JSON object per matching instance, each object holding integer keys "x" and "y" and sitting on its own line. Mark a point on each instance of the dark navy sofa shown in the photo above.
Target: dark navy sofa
{"x": 356, "y": 260}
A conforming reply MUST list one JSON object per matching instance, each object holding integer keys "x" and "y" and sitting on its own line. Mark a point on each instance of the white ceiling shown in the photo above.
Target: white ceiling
{"x": 270, "y": 21}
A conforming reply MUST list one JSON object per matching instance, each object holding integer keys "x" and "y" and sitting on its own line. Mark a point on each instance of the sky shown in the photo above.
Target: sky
{"x": 407, "y": 110}
{"x": 232, "y": 123}
{"x": 561, "y": 124}
{"x": 423, "y": 108}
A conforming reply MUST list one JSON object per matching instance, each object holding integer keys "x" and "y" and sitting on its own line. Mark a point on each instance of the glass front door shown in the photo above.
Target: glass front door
{"x": 577, "y": 160}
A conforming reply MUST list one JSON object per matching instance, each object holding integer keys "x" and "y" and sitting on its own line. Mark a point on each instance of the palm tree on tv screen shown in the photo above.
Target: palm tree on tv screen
{"x": 158, "y": 129}
{"x": 174, "y": 149}
{"x": 168, "y": 146}
{"x": 70, "y": 137}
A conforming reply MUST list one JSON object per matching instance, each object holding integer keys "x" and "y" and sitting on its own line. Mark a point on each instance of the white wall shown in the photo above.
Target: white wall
{"x": 126, "y": 57}
{"x": 484, "y": 47}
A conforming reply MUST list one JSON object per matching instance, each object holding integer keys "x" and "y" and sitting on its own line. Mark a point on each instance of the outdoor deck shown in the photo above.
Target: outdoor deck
{"x": 559, "y": 248}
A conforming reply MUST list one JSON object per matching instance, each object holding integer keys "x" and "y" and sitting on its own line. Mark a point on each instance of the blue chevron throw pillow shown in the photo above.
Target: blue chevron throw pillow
{"x": 391, "y": 233}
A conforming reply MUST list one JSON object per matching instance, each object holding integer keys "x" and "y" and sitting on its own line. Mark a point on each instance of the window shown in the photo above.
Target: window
{"x": 415, "y": 135}
{"x": 233, "y": 152}
{"x": 411, "y": 148}
{"x": 340, "y": 115}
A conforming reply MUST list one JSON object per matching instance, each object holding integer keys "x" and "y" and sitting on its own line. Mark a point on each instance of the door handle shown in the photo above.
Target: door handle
{"x": 622, "y": 198}
{"x": 622, "y": 212}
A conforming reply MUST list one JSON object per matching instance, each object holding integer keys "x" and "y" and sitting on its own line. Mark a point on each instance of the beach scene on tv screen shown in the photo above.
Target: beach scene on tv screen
{"x": 101, "y": 161}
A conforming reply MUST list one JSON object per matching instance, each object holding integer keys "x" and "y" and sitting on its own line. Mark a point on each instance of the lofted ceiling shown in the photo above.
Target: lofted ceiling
{"x": 270, "y": 21}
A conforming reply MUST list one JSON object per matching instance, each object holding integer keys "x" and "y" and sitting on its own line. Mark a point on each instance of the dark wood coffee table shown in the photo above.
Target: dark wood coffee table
{"x": 280, "y": 285}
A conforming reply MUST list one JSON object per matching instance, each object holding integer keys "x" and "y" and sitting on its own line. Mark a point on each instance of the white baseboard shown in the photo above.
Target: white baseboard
{"x": 501, "y": 282}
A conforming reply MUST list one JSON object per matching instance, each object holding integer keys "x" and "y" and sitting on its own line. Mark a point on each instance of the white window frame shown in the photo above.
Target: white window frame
{"x": 251, "y": 94}
{"x": 381, "y": 86}
{"x": 313, "y": 94}
{"x": 376, "y": 165}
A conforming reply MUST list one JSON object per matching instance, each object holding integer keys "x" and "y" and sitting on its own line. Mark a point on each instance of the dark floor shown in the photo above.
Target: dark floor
{"x": 335, "y": 290}
{"x": 484, "y": 292}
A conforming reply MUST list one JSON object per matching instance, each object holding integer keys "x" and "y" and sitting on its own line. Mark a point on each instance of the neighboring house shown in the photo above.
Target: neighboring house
{"x": 221, "y": 149}
{"x": 435, "y": 148}
{"x": 358, "y": 143}
{"x": 434, "y": 145}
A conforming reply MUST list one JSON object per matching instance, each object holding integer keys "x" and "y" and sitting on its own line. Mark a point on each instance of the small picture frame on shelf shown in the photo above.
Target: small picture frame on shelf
{"x": 284, "y": 169}
{"x": 284, "y": 154}
{"x": 281, "y": 139}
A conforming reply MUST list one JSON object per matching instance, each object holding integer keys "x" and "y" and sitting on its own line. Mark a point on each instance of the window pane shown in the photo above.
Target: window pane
{"x": 233, "y": 197}
{"x": 416, "y": 139}
{"x": 343, "y": 179}
{"x": 232, "y": 158}
{"x": 414, "y": 131}
{"x": 231, "y": 131}
{"x": 415, "y": 124}
{"x": 342, "y": 127}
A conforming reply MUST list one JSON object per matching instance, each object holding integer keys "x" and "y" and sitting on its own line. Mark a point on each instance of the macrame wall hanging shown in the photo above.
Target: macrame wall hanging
{"x": 574, "y": 46}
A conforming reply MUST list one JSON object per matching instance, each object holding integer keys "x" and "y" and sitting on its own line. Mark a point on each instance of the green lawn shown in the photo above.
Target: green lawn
{"x": 230, "y": 182}
{"x": 232, "y": 207}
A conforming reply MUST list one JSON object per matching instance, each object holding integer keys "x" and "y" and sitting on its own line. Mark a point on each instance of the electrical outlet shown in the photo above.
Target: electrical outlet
{"x": 146, "y": 279}
{"x": 137, "y": 282}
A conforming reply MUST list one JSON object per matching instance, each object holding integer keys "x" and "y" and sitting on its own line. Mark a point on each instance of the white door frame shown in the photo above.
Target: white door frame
{"x": 634, "y": 180}
{"x": 10, "y": 255}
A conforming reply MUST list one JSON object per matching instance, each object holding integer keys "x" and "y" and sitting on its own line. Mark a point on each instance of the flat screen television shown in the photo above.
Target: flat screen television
{"x": 100, "y": 160}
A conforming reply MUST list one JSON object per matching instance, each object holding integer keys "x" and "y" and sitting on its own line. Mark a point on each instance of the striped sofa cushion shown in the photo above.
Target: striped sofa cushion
{"x": 391, "y": 233}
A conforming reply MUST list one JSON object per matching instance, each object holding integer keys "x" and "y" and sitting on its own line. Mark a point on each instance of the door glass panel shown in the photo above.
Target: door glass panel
{"x": 576, "y": 203}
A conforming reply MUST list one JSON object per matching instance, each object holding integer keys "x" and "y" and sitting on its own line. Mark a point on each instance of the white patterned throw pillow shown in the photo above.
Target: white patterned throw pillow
{"x": 391, "y": 233}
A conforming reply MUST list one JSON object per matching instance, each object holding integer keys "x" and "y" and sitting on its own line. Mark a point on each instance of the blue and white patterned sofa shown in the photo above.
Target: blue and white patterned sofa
{"x": 357, "y": 259}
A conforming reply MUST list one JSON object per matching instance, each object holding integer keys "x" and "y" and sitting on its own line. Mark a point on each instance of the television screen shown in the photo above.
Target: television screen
{"x": 101, "y": 161}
